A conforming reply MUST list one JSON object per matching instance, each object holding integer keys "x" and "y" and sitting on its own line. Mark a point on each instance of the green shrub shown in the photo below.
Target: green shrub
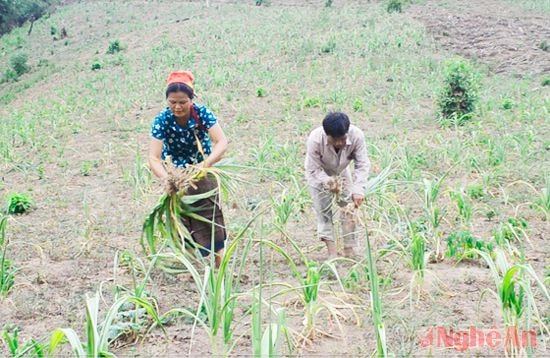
{"x": 458, "y": 98}
{"x": 9, "y": 75}
{"x": 96, "y": 66}
{"x": 329, "y": 46}
{"x": 545, "y": 82}
{"x": 507, "y": 103}
{"x": 357, "y": 105}
{"x": 544, "y": 46}
{"x": 460, "y": 244}
{"x": 475, "y": 191}
{"x": 328, "y": 3}
{"x": 394, "y": 6}
{"x": 19, "y": 64}
{"x": 19, "y": 203}
{"x": 53, "y": 30}
{"x": 311, "y": 102}
{"x": 114, "y": 47}
{"x": 261, "y": 92}
{"x": 506, "y": 232}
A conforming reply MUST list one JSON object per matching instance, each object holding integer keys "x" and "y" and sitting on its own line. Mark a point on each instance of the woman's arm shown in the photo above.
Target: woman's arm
{"x": 155, "y": 161}
{"x": 220, "y": 145}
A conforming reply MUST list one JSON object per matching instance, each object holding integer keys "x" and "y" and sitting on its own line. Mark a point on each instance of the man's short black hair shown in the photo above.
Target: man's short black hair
{"x": 336, "y": 124}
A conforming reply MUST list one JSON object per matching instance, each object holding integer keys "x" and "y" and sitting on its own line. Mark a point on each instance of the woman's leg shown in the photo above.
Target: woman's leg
{"x": 219, "y": 257}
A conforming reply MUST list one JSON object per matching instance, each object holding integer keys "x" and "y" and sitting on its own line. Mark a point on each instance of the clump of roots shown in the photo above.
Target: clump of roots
{"x": 180, "y": 180}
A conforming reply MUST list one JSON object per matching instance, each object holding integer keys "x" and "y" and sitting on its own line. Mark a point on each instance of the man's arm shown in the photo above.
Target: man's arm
{"x": 315, "y": 173}
{"x": 362, "y": 167}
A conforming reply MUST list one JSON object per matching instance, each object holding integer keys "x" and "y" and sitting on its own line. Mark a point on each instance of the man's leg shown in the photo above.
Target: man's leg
{"x": 348, "y": 221}
{"x": 322, "y": 201}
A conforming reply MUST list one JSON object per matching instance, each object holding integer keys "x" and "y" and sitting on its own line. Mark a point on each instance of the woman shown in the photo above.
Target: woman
{"x": 184, "y": 131}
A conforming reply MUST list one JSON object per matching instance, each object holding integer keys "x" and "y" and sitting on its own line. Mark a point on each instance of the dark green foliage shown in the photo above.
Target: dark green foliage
{"x": 458, "y": 97}
{"x": 10, "y": 335}
{"x": 461, "y": 243}
{"x": 508, "y": 231}
{"x": 545, "y": 82}
{"x": 329, "y": 46}
{"x": 19, "y": 64}
{"x": 18, "y": 203}
{"x": 114, "y": 47}
{"x": 507, "y": 103}
{"x": 9, "y": 75}
{"x": 96, "y": 66}
{"x": 14, "y": 13}
{"x": 475, "y": 191}
{"x": 394, "y": 6}
{"x": 261, "y": 92}
{"x": 328, "y": 3}
{"x": 544, "y": 46}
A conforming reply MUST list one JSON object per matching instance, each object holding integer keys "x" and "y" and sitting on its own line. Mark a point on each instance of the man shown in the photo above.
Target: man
{"x": 330, "y": 150}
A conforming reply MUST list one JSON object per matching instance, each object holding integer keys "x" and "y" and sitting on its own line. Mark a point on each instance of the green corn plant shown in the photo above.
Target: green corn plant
{"x": 510, "y": 232}
{"x": 543, "y": 201}
{"x": 376, "y": 304}
{"x": 310, "y": 289}
{"x": 433, "y": 213}
{"x": 10, "y": 335}
{"x": 461, "y": 243}
{"x": 98, "y": 335}
{"x": 515, "y": 295}
{"x": 463, "y": 205}
{"x": 7, "y": 271}
{"x": 267, "y": 343}
{"x": 418, "y": 253}
{"x": 283, "y": 207}
{"x": 19, "y": 203}
{"x": 218, "y": 290}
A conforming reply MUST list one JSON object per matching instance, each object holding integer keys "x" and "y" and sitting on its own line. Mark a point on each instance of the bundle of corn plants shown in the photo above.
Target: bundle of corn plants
{"x": 163, "y": 226}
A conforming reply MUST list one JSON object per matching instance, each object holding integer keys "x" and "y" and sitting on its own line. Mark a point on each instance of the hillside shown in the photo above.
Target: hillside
{"x": 75, "y": 140}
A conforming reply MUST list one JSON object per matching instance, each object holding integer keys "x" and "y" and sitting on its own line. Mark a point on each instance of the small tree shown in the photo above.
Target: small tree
{"x": 394, "y": 6}
{"x": 458, "y": 96}
{"x": 19, "y": 64}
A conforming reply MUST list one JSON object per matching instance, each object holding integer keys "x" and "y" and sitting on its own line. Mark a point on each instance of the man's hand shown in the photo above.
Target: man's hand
{"x": 334, "y": 185}
{"x": 357, "y": 199}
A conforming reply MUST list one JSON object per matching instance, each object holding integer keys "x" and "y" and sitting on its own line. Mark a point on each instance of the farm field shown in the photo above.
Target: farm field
{"x": 457, "y": 212}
